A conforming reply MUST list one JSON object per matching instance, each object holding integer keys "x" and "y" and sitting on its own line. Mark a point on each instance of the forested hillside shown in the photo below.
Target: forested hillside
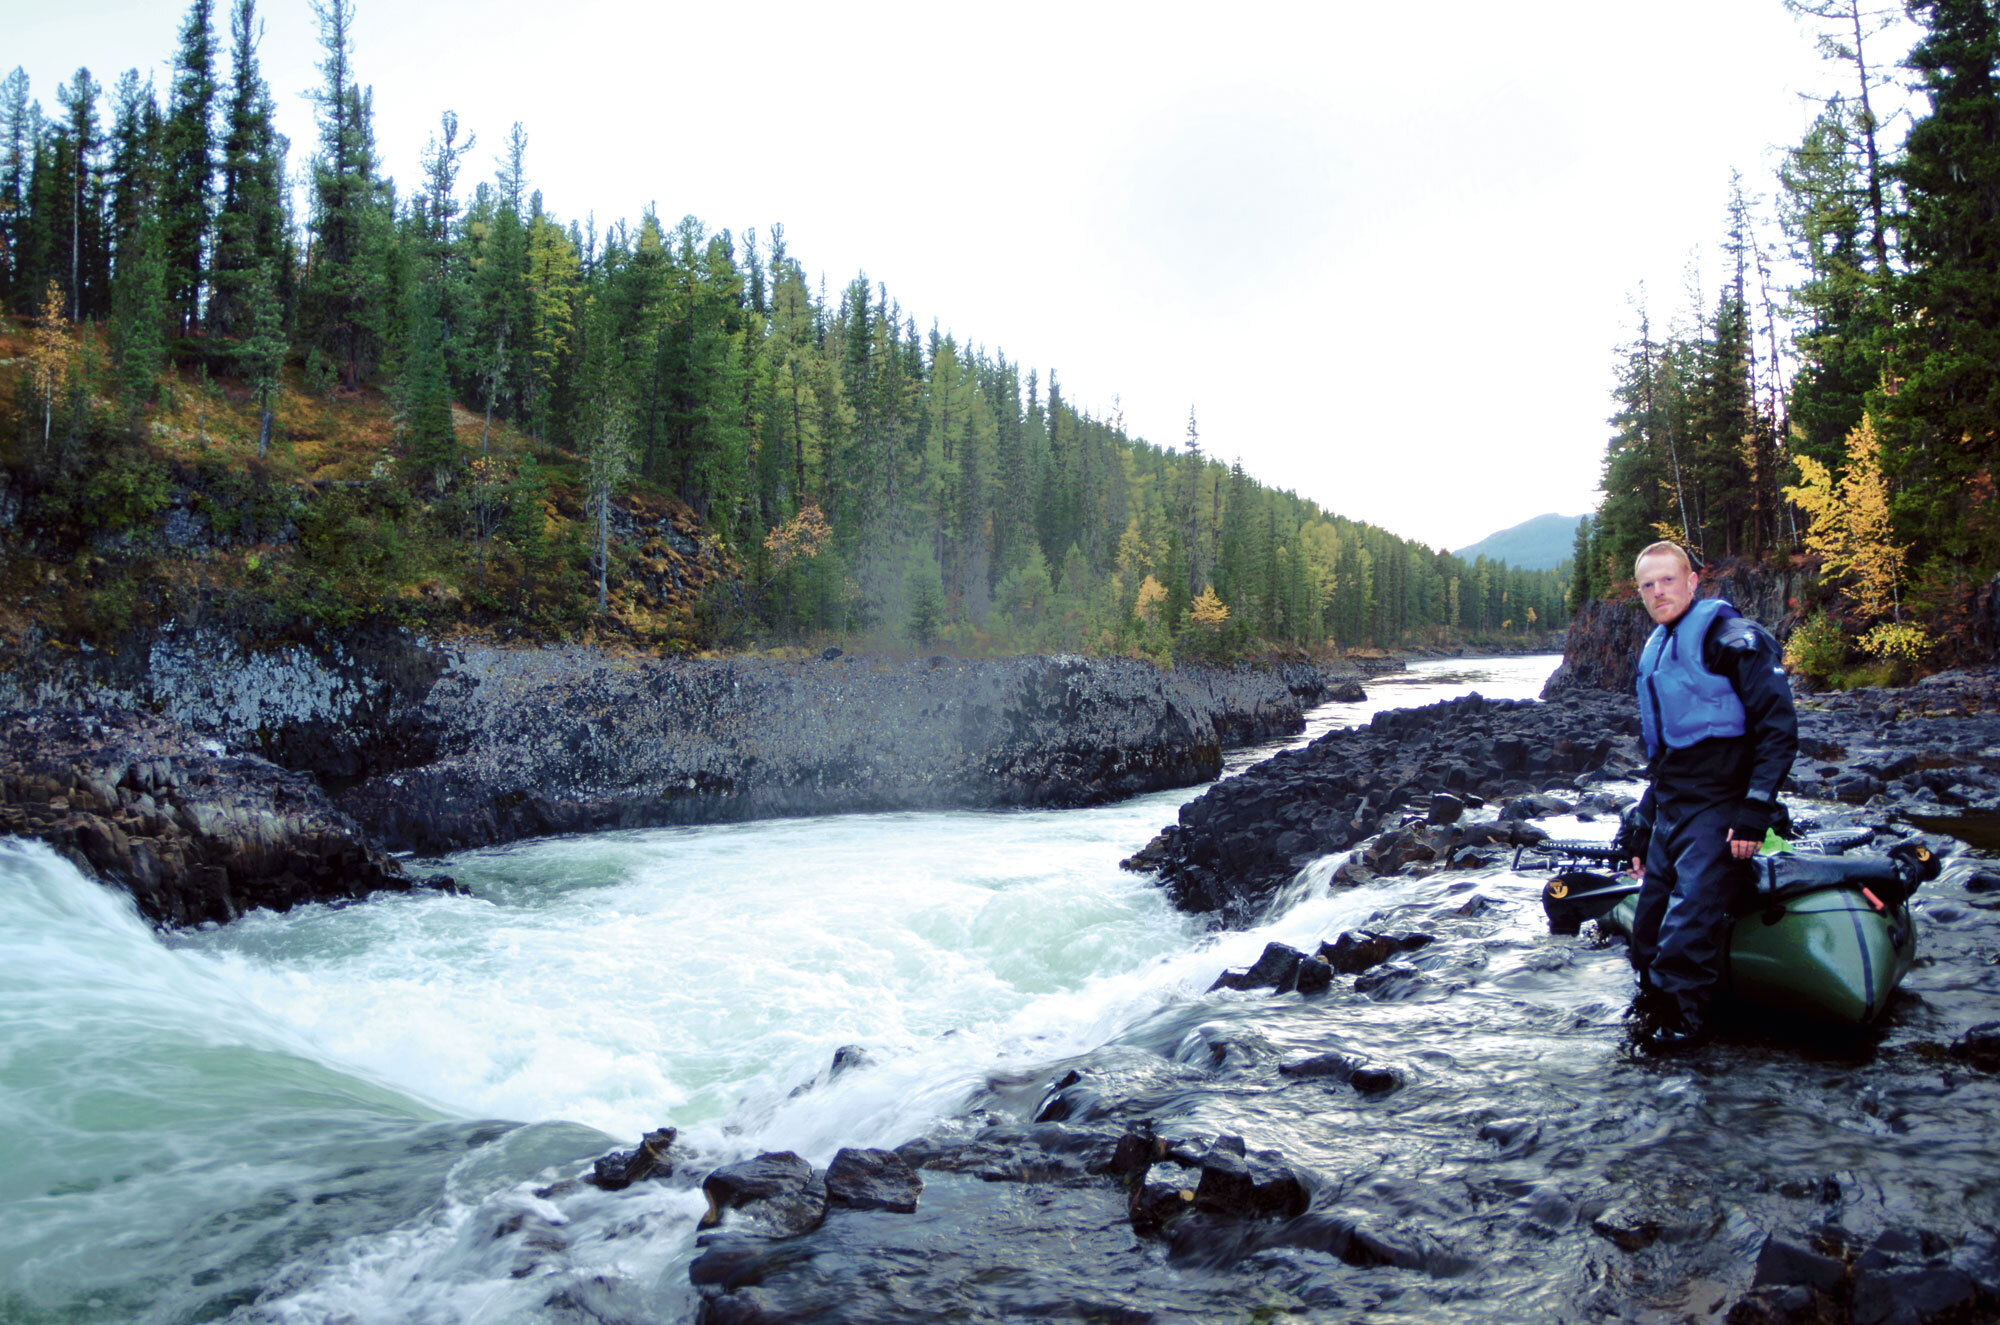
{"x": 1849, "y": 415}
{"x": 452, "y": 407}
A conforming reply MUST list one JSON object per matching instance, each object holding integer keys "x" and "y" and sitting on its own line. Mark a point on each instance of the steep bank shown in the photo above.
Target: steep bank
{"x": 432, "y": 748}
{"x": 193, "y": 833}
{"x": 530, "y": 743}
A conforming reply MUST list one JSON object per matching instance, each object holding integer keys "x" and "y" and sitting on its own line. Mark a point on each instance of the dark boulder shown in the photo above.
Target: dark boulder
{"x": 1245, "y": 1187}
{"x": 620, "y": 1169}
{"x": 776, "y": 1194}
{"x": 873, "y": 1180}
{"x": 1276, "y": 969}
{"x": 1357, "y": 950}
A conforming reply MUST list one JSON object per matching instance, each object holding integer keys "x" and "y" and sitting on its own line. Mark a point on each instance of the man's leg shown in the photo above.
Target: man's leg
{"x": 1686, "y": 960}
{"x": 1656, "y": 887}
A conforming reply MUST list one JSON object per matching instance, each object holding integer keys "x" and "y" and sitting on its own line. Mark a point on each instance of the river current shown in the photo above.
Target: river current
{"x": 346, "y": 1114}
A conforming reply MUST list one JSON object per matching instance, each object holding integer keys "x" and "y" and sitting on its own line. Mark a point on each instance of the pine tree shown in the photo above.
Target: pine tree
{"x": 187, "y": 196}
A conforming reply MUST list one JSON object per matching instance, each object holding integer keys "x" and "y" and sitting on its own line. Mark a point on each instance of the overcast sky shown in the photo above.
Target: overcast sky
{"x": 1385, "y": 252}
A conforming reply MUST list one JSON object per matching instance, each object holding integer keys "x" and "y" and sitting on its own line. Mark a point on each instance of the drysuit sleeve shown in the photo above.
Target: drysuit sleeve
{"x": 1743, "y": 651}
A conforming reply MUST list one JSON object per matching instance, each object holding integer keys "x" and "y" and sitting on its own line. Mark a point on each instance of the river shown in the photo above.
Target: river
{"x": 346, "y": 1114}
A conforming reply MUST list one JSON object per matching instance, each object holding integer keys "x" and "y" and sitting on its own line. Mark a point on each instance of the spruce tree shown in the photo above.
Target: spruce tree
{"x": 1945, "y": 415}
{"x": 250, "y": 221}
{"x": 139, "y": 314}
{"x": 83, "y": 252}
{"x": 1841, "y": 341}
{"x": 260, "y": 347}
{"x": 187, "y": 196}
{"x": 20, "y": 130}
{"x": 344, "y": 298}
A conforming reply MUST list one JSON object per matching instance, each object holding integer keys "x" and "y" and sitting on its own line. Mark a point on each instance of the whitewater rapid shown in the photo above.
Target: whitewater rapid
{"x": 347, "y": 1113}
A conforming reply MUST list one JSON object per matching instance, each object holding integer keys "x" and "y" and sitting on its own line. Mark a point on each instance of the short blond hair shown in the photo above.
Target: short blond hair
{"x": 1663, "y": 548}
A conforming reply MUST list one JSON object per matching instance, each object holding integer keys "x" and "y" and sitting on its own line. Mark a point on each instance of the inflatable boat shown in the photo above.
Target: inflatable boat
{"x": 1811, "y": 931}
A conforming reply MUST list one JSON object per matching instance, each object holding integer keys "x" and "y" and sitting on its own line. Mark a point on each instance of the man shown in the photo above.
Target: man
{"x": 1716, "y": 711}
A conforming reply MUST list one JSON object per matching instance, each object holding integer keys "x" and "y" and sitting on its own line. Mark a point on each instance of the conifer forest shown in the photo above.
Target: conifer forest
{"x": 1844, "y": 417}
{"x": 450, "y": 406}
{"x": 257, "y": 379}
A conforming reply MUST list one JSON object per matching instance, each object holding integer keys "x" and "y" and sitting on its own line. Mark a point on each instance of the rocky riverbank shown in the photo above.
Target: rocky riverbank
{"x": 1438, "y": 1115}
{"x": 194, "y": 833}
{"x": 297, "y": 768}
{"x": 529, "y": 743}
{"x": 1927, "y": 755}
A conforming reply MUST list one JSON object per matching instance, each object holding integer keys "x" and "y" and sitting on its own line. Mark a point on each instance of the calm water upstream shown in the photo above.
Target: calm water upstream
{"x": 342, "y": 1115}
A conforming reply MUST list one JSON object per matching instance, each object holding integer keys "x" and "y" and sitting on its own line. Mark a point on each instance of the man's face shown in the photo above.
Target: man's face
{"x": 1664, "y": 587}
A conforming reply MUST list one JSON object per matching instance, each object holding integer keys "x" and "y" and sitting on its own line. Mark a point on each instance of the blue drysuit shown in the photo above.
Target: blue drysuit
{"x": 1703, "y": 788}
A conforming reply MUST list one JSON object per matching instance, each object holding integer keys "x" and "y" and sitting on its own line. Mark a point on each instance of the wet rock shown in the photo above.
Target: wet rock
{"x": 1391, "y": 984}
{"x": 873, "y": 1180}
{"x": 1239, "y": 843}
{"x": 1314, "y": 977}
{"x": 1248, "y": 1188}
{"x": 1513, "y": 1137}
{"x": 1538, "y": 806}
{"x": 1912, "y": 1295}
{"x": 193, "y": 833}
{"x": 620, "y": 1169}
{"x": 1156, "y": 1205}
{"x": 1781, "y": 1261}
{"x": 776, "y": 1194}
{"x": 1979, "y": 1047}
{"x": 1626, "y": 1229}
{"x": 1784, "y": 1304}
{"x": 1276, "y": 969}
{"x": 1356, "y": 951}
{"x": 1366, "y": 1079}
{"x": 1445, "y": 808}
{"x": 849, "y": 1058}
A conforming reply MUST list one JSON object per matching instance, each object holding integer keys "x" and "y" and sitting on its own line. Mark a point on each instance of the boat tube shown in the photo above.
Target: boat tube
{"x": 1824, "y": 934}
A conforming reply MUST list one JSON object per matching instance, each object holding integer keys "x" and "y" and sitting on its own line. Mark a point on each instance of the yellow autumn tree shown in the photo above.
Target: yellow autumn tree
{"x": 1208, "y": 612}
{"x": 1151, "y": 595}
{"x": 798, "y": 538}
{"x": 51, "y": 351}
{"x": 1849, "y": 522}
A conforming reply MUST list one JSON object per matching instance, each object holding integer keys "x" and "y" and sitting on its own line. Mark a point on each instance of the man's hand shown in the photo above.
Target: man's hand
{"x": 1742, "y": 847}
{"x": 1638, "y": 870}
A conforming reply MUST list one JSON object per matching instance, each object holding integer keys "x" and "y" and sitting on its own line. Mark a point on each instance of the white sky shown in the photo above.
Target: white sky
{"x": 1385, "y": 251}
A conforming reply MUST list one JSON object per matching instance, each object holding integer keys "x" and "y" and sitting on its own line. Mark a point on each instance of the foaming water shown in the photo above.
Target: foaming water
{"x": 287, "y": 1118}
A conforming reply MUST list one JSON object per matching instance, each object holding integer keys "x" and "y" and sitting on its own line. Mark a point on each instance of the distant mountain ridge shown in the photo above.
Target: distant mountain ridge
{"x": 1542, "y": 543}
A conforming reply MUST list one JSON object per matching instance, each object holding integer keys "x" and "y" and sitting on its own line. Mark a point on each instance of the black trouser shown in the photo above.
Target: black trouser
{"x": 1682, "y": 925}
